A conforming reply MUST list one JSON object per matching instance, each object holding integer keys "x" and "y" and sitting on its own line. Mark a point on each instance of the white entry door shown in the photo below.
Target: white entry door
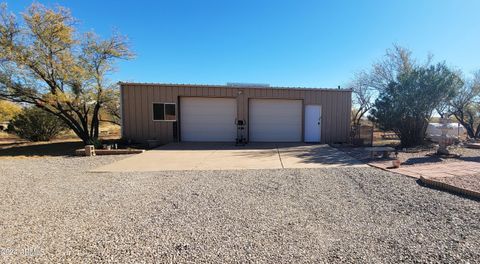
{"x": 208, "y": 119}
{"x": 313, "y": 122}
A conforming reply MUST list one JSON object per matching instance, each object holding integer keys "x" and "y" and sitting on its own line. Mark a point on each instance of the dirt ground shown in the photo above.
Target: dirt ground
{"x": 427, "y": 155}
{"x": 40, "y": 149}
{"x": 11, "y": 146}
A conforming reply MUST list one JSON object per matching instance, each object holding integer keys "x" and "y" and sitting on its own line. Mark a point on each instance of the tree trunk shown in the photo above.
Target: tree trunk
{"x": 470, "y": 132}
{"x": 412, "y": 132}
{"x": 477, "y": 132}
{"x": 85, "y": 136}
{"x": 469, "y": 127}
{"x": 78, "y": 127}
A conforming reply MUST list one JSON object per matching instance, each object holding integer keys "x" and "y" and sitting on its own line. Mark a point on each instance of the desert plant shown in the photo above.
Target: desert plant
{"x": 406, "y": 106}
{"x": 35, "y": 124}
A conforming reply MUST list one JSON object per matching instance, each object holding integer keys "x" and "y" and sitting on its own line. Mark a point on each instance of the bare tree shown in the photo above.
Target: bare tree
{"x": 395, "y": 62}
{"x": 363, "y": 96}
{"x": 367, "y": 85}
{"x": 465, "y": 106}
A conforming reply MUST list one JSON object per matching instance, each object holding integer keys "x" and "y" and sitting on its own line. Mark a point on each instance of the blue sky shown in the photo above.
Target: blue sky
{"x": 283, "y": 43}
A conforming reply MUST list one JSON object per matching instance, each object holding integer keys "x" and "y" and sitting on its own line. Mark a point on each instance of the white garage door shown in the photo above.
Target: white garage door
{"x": 208, "y": 119}
{"x": 273, "y": 120}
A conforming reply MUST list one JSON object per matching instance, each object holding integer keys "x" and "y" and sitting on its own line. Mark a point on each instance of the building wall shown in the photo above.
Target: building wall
{"x": 137, "y": 114}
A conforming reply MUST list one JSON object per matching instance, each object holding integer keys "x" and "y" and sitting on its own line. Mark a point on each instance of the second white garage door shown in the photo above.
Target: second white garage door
{"x": 208, "y": 119}
{"x": 274, "y": 120}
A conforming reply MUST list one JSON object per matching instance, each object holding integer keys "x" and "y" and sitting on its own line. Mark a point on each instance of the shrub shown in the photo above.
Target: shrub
{"x": 406, "y": 106}
{"x": 35, "y": 124}
{"x": 8, "y": 110}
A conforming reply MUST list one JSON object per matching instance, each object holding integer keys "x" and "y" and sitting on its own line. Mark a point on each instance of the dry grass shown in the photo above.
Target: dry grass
{"x": 106, "y": 131}
{"x": 378, "y": 140}
{"x": 5, "y": 135}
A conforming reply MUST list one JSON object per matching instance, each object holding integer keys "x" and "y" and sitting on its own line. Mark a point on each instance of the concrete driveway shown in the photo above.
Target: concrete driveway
{"x": 224, "y": 156}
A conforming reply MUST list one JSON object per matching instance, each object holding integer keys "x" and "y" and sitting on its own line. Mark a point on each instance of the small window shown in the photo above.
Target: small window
{"x": 164, "y": 112}
{"x": 158, "y": 112}
{"x": 170, "y": 112}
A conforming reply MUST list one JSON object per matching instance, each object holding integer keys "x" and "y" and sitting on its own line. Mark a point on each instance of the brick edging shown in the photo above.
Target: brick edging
{"x": 449, "y": 187}
{"x": 81, "y": 152}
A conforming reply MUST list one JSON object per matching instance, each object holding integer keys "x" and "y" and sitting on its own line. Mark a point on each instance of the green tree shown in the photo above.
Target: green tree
{"x": 46, "y": 63}
{"x": 408, "y": 102}
{"x": 35, "y": 124}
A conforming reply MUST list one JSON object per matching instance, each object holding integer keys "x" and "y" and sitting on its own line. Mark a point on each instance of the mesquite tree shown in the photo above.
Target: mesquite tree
{"x": 46, "y": 63}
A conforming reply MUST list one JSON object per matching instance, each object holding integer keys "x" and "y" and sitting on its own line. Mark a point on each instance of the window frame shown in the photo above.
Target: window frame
{"x": 164, "y": 104}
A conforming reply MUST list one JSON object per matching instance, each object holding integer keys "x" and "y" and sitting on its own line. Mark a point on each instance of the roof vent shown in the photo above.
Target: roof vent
{"x": 253, "y": 85}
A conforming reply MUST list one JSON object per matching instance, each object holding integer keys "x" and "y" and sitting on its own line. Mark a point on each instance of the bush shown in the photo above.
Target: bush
{"x": 8, "y": 110}
{"x": 35, "y": 124}
{"x": 406, "y": 106}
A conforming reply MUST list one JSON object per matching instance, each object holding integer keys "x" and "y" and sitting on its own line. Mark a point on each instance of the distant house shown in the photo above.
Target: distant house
{"x": 180, "y": 112}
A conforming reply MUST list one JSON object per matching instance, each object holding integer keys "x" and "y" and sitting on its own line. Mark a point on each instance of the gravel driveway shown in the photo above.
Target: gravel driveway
{"x": 51, "y": 210}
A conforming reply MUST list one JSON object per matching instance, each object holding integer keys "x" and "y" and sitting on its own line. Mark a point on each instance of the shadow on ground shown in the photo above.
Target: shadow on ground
{"x": 321, "y": 154}
{"x": 304, "y": 153}
{"x": 42, "y": 149}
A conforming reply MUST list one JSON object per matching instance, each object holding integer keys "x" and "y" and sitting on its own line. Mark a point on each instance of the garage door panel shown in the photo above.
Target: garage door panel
{"x": 208, "y": 119}
{"x": 275, "y": 120}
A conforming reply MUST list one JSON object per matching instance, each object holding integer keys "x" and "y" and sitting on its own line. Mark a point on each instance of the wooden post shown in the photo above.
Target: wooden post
{"x": 371, "y": 138}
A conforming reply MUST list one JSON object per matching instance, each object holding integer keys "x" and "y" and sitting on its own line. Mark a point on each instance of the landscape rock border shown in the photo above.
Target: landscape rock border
{"x": 81, "y": 152}
{"x": 429, "y": 181}
{"x": 473, "y": 145}
{"x": 449, "y": 187}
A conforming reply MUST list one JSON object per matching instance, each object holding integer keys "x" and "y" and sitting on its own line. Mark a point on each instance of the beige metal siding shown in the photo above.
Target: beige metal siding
{"x": 137, "y": 100}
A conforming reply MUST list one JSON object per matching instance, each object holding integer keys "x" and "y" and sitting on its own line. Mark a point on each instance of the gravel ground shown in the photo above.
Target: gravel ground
{"x": 53, "y": 211}
{"x": 419, "y": 156}
{"x": 427, "y": 156}
{"x": 470, "y": 182}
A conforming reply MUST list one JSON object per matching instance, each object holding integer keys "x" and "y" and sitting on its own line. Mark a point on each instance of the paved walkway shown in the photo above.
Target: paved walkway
{"x": 211, "y": 156}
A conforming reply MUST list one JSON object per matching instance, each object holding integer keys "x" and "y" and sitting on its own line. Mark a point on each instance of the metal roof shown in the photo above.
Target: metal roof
{"x": 236, "y": 86}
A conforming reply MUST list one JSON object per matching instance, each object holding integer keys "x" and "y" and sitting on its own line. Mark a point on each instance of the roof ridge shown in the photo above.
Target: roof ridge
{"x": 231, "y": 86}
